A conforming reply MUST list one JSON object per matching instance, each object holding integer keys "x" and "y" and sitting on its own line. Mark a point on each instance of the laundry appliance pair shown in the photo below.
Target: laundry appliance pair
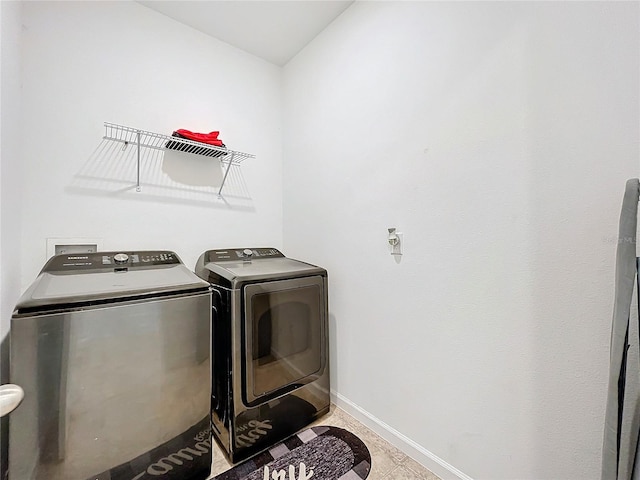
{"x": 128, "y": 359}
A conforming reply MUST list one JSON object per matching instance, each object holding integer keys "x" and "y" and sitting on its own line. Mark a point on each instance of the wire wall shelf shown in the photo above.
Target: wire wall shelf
{"x": 140, "y": 139}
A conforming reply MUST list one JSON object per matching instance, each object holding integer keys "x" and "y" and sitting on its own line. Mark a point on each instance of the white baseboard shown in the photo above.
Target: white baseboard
{"x": 400, "y": 441}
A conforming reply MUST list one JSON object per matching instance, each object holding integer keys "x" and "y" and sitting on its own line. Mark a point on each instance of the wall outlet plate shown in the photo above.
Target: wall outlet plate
{"x": 397, "y": 248}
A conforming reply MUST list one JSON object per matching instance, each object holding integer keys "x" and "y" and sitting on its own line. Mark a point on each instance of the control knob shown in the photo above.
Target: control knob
{"x": 121, "y": 258}
{"x": 247, "y": 253}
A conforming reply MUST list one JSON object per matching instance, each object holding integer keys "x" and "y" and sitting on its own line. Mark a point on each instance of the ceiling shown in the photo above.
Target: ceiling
{"x": 270, "y": 29}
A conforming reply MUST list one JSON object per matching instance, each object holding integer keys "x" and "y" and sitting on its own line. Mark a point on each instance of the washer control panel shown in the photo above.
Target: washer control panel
{"x": 118, "y": 261}
{"x": 236, "y": 254}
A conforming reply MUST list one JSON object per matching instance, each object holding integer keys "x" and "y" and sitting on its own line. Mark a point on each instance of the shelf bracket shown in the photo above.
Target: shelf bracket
{"x": 138, "y": 169}
{"x": 226, "y": 172}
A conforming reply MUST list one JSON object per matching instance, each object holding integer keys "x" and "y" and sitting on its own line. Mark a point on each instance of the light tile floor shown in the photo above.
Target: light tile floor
{"x": 387, "y": 462}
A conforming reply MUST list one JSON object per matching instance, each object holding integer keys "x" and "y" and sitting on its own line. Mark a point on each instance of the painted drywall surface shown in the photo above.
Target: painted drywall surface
{"x": 497, "y": 137}
{"x": 85, "y": 63}
{"x": 10, "y": 166}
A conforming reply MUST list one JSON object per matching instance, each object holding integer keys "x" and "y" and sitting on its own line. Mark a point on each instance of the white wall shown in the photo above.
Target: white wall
{"x": 497, "y": 137}
{"x": 10, "y": 162}
{"x": 85, "y": 63}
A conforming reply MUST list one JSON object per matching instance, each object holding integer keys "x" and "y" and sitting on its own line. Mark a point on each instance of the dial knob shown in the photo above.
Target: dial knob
{"x": 121, "y": 258}
{"x": 247, "y": 253}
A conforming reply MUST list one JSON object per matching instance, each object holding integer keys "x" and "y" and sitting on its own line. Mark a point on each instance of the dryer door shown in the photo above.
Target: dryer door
{"x": 284, "y": 343}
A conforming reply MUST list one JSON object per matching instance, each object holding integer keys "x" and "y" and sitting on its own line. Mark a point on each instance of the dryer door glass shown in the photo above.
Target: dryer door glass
{"x": 284, "y": 340}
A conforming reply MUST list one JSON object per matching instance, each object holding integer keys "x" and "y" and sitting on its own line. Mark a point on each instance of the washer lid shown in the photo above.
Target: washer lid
{"x": 73, "y": 280}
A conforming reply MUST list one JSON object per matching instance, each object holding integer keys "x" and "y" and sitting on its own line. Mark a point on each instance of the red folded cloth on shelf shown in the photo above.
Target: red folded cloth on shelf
{"x": 210, "y": 138}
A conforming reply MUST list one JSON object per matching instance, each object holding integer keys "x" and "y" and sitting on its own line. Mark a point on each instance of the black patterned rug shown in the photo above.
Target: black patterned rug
{"x": 320, "y": 453}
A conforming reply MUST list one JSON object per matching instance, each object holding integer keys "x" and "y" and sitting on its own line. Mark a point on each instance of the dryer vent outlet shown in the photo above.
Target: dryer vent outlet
{"x": 87, "y": 248}
{"x": 60, "y": 246}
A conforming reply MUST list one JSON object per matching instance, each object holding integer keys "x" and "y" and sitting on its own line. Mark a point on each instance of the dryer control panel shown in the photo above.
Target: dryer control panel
{"x": 110, "y": 261}
{"x": 236, "y": 254}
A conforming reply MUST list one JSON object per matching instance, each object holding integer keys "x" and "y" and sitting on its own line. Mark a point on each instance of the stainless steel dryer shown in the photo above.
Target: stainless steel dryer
{"x": 270, "y": 347}
{"x": 112, "y": 350}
